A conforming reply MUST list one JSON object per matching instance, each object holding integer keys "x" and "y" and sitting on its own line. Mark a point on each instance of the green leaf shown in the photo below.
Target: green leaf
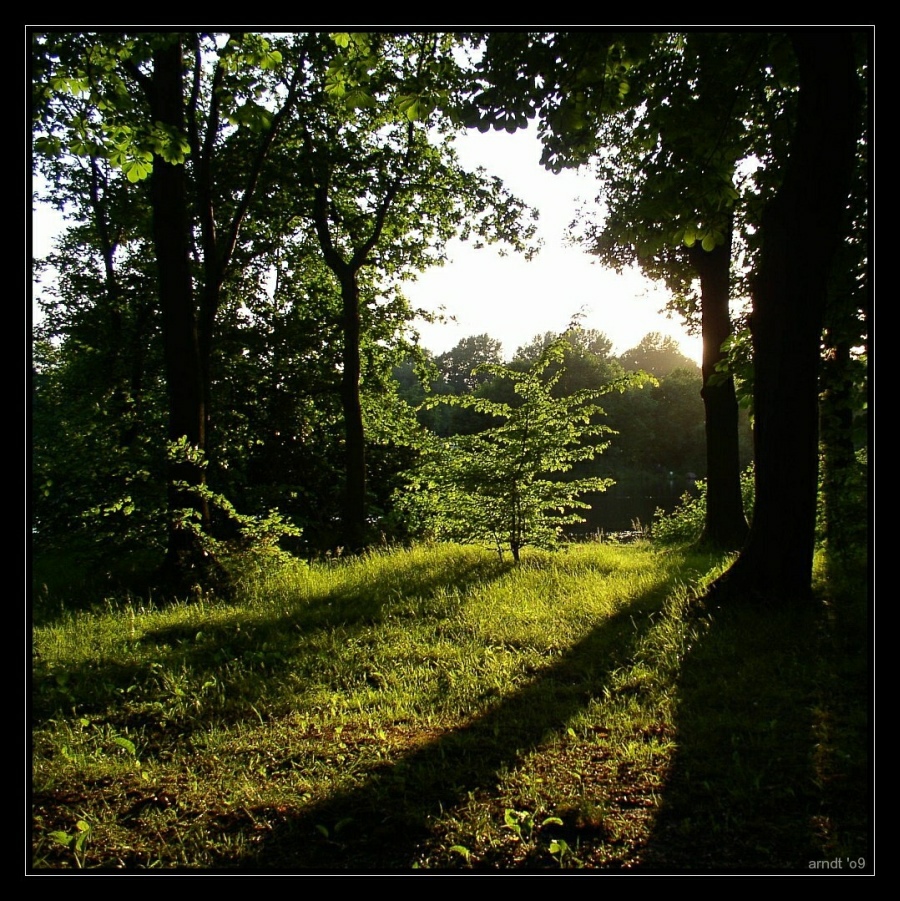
{"x": 137, "y": 170}
{"x": 126, "y": 744}
{"x": 462, "y": 850}
{"x": 335, "y": 83}
{"x": 408, "y": 104}
{"x": 48, "y": 145}
{"x": 271, "y": 60}
{"x": 358, "y": 98}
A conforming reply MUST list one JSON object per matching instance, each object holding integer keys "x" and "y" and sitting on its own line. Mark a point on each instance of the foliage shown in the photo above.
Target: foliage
{"x": 569, "y": 79}
{"x": 85, "y": 104}
{"x": 296, "y": 184}
{"x": 96, "y": 476}
{"x": 685, "y": 523}
{"x": 674, "y": 170}
{"x": 382, "y": 197}
{"x": 241, "y": 538}
{"x": 507, "y": 484}
{"x": 580, "y": 343}
{"x": 165, "y": 109}
{"x": 853, "y": 509}
{"x": 458, "y": 368}
{"x": 674, "y": 124}
{"x": 657, "y": 354}
{"x": 587, "y": 359}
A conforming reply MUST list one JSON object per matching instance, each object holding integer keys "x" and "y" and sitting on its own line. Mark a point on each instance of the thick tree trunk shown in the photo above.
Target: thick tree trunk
{"x": 354, "y": 525}
{"x": 725, "y": 527}
{"x": 801, "y": 230}
{"x": 184, "y": 375}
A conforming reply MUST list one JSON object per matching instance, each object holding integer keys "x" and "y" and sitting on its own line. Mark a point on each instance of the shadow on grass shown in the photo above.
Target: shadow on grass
{"x": 257, "y": 649}
{"x": 770, "y": 773}
{"x": 383, "y": 823}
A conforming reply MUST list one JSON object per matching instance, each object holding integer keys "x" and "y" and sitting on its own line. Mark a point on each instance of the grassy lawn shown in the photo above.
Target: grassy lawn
{"x": 436, "y": 709}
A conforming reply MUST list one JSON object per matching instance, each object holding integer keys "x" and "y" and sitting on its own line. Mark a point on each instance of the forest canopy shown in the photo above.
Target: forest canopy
{"x": 226, "y": 358}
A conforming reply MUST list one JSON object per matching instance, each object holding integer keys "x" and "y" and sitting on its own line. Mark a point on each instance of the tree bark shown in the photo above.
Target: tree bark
{"x": 725, "y": 526}
{"x": 801, "y": 230}
{"x": 354, "y": 525}
{"x": 184, "y": 372}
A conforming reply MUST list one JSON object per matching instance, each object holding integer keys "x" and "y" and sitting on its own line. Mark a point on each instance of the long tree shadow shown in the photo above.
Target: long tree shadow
{"x": 769, "y": 775}
{"x": 770, "y": 772}
{"x": 386, "y": 819}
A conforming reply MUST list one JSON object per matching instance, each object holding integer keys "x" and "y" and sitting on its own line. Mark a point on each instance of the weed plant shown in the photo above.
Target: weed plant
{"x": 441, "y": 710}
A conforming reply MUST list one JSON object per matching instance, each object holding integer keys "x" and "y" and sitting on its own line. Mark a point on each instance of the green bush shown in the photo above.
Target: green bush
{"x": 685, "y": 523}
{"x": 842, "y": 524}
{"x": 846, "y": 516}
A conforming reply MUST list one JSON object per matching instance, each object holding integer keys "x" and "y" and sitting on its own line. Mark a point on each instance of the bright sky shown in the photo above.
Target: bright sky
{"x": 509, "y": 298}
{"x": 513, "y": 300}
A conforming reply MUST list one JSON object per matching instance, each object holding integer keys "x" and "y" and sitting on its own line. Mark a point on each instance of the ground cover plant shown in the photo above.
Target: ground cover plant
{"x": 438, "y": 709}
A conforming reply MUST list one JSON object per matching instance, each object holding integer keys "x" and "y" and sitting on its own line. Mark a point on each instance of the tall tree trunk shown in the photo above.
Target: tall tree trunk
{"x": 355, "y": 505}
{"x": 725, "y": 527}
{"x": 184, "y": 376}
{"x": 801, "y": 230}
{"x": 354, "y": 525}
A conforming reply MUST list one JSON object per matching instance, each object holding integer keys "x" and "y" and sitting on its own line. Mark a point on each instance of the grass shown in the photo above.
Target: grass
{"x": 436, "y": 709}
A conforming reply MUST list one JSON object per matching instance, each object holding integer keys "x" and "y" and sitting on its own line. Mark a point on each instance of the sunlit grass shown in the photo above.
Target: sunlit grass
{"x": 430, "y": 708}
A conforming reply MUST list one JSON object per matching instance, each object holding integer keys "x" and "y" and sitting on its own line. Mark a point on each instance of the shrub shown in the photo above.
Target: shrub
{"x": 685, "y": 523}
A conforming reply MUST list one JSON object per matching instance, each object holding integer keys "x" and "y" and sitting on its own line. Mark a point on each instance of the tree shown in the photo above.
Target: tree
{"x": 261, "y": 155}
{"x": 660, "y": 425}
{"x": 381, "y": 196}
{"x": 507, "y": 484}
{"x": 277, "y": 406}
{"x": 672, "y": 164}
{"x": 573, "y": 80}
{"x": 457, "y": 367}
{"x": 645, "y": 117}
{"x": 587, "y": 360}
{"x": 802, "y": 228}
{"x": 656, "y": 354}
{"x": 134, "y": 106}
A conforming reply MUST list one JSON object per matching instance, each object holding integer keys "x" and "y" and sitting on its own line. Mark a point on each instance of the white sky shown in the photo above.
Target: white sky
{"x": 512, "y": 299}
